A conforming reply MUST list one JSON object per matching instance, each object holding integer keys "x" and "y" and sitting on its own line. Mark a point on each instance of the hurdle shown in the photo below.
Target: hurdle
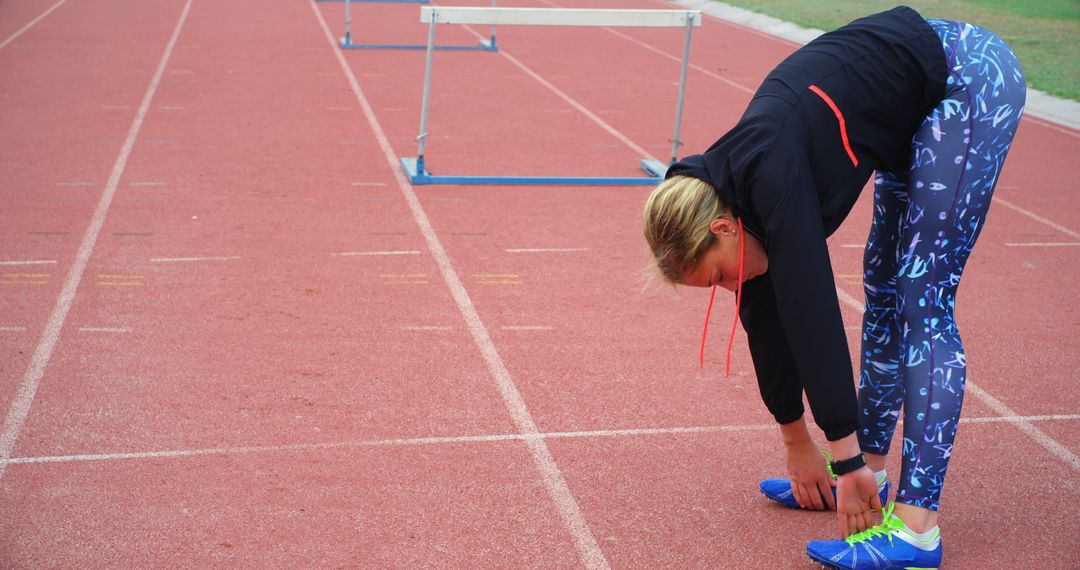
{"x": 348, "y": 43}
{"x": 416, "y": 168}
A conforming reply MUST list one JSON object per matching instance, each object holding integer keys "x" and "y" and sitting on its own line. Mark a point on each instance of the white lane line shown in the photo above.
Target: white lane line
{"x": 1037, "y": 217}
{"x": 370, "y": 253}
{"x": 588, "y": 549}
{"x": 20, "y": 408}
{"x": 853, "y": 245}
{"x": 527, "y": 328}
{"x": 638, "y": 432}
{"x": 12, "y": 329}
{"x": 1026, "y": 426}
{"x": 677, "y": 59}
{"x": 103, "y": 330}
{"x": 12, "y": 37}
{"x": 389, "y": 443}
{"x": 547, "y": 250}
{"x": 1046, "y": 244}
{"x": 69, "y": 198}
{"x": 672, "y": 57}
{"x": 171, "y": 107}
{"x": 185, "y": 259}
{"x": 573, "y": 103}
{"x": 369, "y": 184}
{"x": 427, "y": 328}
{"x": 75, "y": 183}
{"x": 1007, "y": 414}
{"x": 29, "y": 262}
{"x": 1011, "y": 419}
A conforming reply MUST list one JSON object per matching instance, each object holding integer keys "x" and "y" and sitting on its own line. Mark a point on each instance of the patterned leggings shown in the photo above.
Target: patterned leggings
{"x": 926, "y": 221}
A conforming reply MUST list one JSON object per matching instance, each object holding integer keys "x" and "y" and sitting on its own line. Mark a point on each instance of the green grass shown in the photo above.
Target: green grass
{"x": 1043, "y": 33}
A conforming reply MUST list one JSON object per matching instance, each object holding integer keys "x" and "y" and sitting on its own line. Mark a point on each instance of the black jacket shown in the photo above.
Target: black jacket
{"x": 844, "y": 105}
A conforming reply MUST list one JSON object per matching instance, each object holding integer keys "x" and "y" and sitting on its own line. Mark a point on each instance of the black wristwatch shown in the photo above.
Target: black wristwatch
{"x": 848, "y": 465}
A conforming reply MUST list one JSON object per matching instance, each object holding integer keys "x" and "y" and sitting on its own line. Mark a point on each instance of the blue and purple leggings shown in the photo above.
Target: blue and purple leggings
{"x": 926, "y": 221}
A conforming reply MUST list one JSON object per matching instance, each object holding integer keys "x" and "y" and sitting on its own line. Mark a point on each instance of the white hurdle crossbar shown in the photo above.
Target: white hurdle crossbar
{"x": 433, "y": 15}
{"x": 347, "y": 42}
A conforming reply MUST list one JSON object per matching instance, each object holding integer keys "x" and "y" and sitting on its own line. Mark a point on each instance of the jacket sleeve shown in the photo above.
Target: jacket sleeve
{"x": 777, "y": 376}
{"x": 784, "y": 197}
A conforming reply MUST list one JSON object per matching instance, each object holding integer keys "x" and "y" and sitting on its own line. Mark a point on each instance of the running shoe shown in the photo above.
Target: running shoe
{"x": 882, "y": 547}
{"x": 779, "y": 490}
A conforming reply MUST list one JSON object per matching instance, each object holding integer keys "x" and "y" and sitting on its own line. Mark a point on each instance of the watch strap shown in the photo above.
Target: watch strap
{"x": 848, "y": 465}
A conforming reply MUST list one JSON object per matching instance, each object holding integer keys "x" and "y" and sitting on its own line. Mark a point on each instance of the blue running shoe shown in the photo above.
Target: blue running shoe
{"x": 877, "y": 548}
{"x": 779, "y": 490}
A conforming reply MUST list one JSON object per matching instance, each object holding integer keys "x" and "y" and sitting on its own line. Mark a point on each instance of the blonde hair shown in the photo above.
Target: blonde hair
{"x": 677, "y": 217}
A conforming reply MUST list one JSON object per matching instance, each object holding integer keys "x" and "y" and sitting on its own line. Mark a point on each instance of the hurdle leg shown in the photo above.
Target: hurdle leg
{"x": 675, "y": 142}
{"x": 422, "y": 137}
{"x": 347, "y": 40}
{"x": 491, "y": 44}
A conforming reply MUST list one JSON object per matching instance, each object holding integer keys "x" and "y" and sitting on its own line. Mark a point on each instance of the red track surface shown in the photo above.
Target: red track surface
{"x": 270, "y": 407}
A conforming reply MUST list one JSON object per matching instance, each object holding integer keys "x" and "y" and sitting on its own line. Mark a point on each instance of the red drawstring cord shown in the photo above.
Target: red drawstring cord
{"x": 738, "y": 305}
{"x": 738, "y": 298}
{"x": 706, "y": 331}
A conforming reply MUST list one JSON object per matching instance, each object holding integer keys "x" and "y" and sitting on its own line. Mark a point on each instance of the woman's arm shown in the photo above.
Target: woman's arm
{"x": 805, "y": 290}
{"x": 808, "y": 311}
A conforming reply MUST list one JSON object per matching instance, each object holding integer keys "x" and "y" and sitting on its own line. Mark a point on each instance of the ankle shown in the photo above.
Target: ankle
{"x": 882, "y": 477}
{"x": 875, "y": 462}
{"x": 917, "y": 519}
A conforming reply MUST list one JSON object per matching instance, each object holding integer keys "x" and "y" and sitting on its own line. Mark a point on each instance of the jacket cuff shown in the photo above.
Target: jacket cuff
{"x": 840, "y": 431}
{"x": 788, "y": 416}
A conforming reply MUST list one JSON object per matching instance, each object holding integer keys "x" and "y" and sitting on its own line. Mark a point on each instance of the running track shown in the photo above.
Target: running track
{"x": 232, "y": 335}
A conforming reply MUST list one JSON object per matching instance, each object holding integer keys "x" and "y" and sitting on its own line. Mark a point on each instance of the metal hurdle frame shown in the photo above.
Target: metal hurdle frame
{"x": 416, "y": 167}
{"x": 348, "y": 43}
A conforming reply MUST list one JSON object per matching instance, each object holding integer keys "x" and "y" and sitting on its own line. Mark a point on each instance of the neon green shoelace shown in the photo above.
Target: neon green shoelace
{"x": 828, "y": 463}
{"x": 888, "y": 524}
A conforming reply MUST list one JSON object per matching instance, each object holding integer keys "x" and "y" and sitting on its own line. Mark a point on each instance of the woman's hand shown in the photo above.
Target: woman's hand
{"x": 810, "y": 480}
{"x": 856, "y": 499}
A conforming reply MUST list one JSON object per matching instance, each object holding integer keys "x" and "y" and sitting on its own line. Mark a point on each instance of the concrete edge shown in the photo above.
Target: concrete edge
{"x": 1039, "y": 104}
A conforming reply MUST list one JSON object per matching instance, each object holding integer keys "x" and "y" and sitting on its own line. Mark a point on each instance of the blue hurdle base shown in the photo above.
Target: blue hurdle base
{"x": 484, "y": 45}
{"x": 420, "y": 176}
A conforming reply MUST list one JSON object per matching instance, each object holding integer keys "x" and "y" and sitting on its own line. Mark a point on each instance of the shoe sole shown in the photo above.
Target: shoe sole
{"x": 828, "y": 564}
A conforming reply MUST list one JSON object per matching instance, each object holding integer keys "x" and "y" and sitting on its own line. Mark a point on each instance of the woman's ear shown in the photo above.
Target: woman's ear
{"x": 722, "y": 226}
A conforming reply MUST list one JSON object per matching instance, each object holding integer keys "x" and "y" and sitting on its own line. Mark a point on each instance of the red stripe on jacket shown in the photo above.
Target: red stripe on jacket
{"x": 839, "y": 117}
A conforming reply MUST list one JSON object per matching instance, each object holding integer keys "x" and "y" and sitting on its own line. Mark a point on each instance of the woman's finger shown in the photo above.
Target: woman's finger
{"x": 808, "y": 501}
{"x": 826, "y": 492}
{"x": 815, "y": 498}
{"x": 875, "y": 502}
{"x": 862, "y": 520}
{"x": 796, "y": 489}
